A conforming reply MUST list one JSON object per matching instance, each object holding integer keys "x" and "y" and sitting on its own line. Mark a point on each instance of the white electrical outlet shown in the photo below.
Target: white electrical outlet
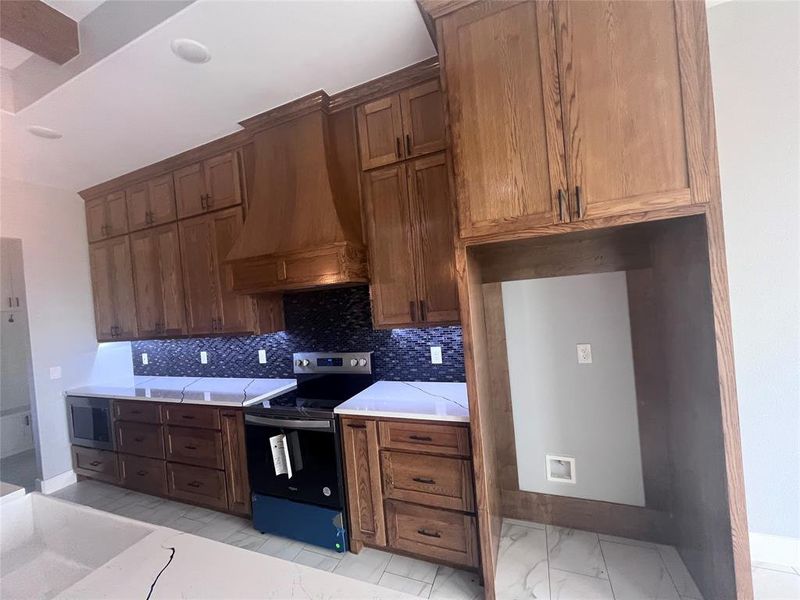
{"x": 203, "y": 357}
{"x": 436, "y": 355}
{"x": 262, "y": 357}
{"x": 560, "y": 468}
{"x": 55, "y": 372}
{"x": 145, "y": 360}
{"x": 584, "y": 354}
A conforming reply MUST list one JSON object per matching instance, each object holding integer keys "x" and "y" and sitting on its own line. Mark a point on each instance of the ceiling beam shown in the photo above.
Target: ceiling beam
{"x": 39, "y": 28}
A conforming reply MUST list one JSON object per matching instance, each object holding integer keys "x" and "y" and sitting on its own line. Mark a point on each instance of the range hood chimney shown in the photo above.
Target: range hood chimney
{"x": 303, "y": 225}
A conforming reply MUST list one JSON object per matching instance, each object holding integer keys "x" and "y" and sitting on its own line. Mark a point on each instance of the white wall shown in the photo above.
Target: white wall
{"x": 50, "y": 222}
{"x": 755, "y": 65}
{"x": 584, "y": 411}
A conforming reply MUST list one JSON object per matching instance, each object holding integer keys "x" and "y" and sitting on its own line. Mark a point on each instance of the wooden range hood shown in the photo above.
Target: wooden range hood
{"x": 303, "y": 225}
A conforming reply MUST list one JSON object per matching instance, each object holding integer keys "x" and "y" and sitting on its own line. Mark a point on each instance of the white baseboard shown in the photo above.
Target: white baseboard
{"x": 53, "y": 484}
{"x": 775, "y": 549}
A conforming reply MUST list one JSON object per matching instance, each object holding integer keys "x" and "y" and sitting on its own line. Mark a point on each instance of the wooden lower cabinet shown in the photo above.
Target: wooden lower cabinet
{"x": 410, "y": 488}
{"x": 191, "y": 453}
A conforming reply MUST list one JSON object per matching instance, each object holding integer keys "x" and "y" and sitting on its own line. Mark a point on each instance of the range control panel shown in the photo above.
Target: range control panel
{"x": 333, "y": 362}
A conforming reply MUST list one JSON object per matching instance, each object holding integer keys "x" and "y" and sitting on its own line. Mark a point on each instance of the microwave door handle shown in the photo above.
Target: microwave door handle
{"x": 315, "y": 425}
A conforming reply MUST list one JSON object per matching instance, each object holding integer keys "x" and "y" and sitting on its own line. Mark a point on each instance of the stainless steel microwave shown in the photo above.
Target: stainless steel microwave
{"x": 90, "y": 422}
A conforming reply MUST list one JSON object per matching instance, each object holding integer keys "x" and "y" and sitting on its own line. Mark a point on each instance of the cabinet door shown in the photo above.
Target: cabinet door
{"x": 122, "y": 292}
{"x": 391, "y": 250}
{"x": 116, "y": 214}
{"x": 235, "y": 311}
{"x": 138, "y": 206}
{"x": 362, "y": 469}
{"x": 380, "y": 129}
{"x": 158, "y": 281}
{"x": 100, "y": 266}
{"x": 190, "y": 190}
{"x": 423, "y": 119}
{"x": 434, "y": 229}
{"x": 621, "y": 89}
{"x": 96, "y": 219}
{"x": 501, "y": 73}
{"x": 222, "y": 181}
{"x": 162, "y": 200}
{"x": 236, "y": 478}
{"x": 199, "y": 274}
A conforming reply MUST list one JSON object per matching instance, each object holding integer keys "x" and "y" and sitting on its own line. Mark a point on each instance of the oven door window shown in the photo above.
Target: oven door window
{"x": 91, "y": 423}
{"x": 312, "y": 461}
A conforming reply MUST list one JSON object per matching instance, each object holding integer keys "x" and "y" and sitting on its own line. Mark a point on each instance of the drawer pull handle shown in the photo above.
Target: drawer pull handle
{"x": 420, "y": 438}
{"x": 188, "y": 417}
{"x": 191, "y": 447}
{"x": 423, "y": 480}
{"x": 356, "y": 426}
{"x": 94, "y": 463}
{"x": 138, "y": 439}
{"x": 141, "y": 473}
{"x": 194, "y": 484}
{"x": 425, "y": 532}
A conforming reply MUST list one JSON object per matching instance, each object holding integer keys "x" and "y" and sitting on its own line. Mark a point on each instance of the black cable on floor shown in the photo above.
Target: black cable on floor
{"x": 153, "y": 585}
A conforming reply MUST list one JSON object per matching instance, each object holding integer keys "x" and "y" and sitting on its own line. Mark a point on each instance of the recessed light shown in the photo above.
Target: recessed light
{"x": 190, "y": 50}
{"x": 44, "y": 132}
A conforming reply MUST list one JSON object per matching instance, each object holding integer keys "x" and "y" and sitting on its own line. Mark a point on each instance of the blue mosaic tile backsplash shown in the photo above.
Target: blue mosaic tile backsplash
{"x": 336, "y": 320}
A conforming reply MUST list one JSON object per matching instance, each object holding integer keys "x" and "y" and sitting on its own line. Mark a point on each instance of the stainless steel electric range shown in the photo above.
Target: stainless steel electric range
{"x": 294, "y": 454}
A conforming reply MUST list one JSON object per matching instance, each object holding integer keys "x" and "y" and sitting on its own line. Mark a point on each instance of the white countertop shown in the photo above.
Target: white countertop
{"x": 212, "y": 391}
{"x": 410, "y": 400}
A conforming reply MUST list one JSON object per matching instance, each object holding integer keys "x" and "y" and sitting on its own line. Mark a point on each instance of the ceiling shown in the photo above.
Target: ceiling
{"x": 142, "y": 104}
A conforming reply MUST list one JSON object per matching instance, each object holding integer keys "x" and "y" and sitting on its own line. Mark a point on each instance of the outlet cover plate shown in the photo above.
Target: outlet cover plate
{"x": 203, "y": 357}
{"x": 262, "y": 357}
{"x": 145, "y": 360}
{"x": 584, "y": 354}
{"x": 436, "y": 355}
{"x": 560, "y": 469}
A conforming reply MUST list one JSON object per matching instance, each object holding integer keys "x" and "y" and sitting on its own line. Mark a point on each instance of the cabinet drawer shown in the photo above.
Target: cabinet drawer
{"x": 196, "y": 484}
{"x": 431, "y": 480}
{"x": 148, "y": 475}
{"x": 191, "y": 416}
{"x": 438, "y": 534}
{"x": 98, "y": 464}
{"x": 142, "y": 412}
{"x": 201, "y": 447}
{"x": 452, "y": 440}
{"x": 140, "y": 439}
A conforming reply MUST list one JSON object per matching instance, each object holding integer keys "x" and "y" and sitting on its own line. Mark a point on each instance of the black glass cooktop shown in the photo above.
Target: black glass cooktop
{"x": 315, "y": 396}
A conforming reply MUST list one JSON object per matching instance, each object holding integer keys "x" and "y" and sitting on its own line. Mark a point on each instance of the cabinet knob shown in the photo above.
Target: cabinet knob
{"x": 95, "y": 463}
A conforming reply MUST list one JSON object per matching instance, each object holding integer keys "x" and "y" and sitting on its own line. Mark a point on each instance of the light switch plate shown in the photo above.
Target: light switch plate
{"x": 584, "y": 354}
{"x": 203, "y": 357}
{"x": 262, "y": 357}
{"x": 145, "y": 360}
{"x": 55, "y": 372}
{"x": 436, "y": 355}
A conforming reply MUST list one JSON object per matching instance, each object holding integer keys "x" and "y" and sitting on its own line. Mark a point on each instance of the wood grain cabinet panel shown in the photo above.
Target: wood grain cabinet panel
{"x": 391, "y": 247}
{"x": 190, "y": 190}
{"x": 158, "y": 281}
{"x": 437, "y": 534}
{"x": 191, "y": 446}
{"x": 433, "y": 438}
{"x": 380, "y": 132}
{"x": 137, "y": 411}
{"x": 97, "y": 464}
{"x": 147, "y": 475}
{"x": 362, "y": 469}
{"x": 500, "y": 66}
{"x": 137, "y": 200}
{"x": 430, "y": 480}
{"x": 96, "y": 219}
{"x": 106, "y": 217}
{"x": 423, "y": 119}
{"x": 212, "y": 184}
{"x": 140, "y": 439}
{"x": 236, "y": 476}
{"x": 151, "y": 203}
{"x": 112, "y": 288}
{"x": 211, "y": 304}
{"x": 198, "y": 485}
{"x": 623, "y": 115}
{"x": 188, "y": 415}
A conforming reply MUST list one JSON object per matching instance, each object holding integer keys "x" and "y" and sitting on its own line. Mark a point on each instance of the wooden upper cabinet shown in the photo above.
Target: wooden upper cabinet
{"x": 391, "y": 247}
{"x": 138, "y": 206}
{"x": 621, "y": 88}
{"x": 209, "y": 185}
{"x": 435, "y": 231}
{"x": 112, "y": 287}
{"x": 158, "y": 281}
{"x": 502, "y": 79}
{"x": 211, "y": 306}
{"x": 151, "y": 203}
{"x": 106, "y": 217}
{"x": 423, "y": 119}
{"x": 380, "y": 132}
{"x": 363, "y": 474}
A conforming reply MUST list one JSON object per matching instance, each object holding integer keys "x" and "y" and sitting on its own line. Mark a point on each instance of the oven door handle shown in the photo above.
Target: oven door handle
{"x": 316, "y": 425}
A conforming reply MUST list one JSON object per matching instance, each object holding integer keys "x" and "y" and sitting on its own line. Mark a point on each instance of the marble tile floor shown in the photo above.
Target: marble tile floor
{"x": 535, "y": 561}
{"x": 20, "y": 469}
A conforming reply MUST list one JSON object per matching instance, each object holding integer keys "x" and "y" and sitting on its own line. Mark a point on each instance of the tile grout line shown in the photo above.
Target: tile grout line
{"x": 608, "y": 571}
{"x": 669, "y": 573}
{"x": 547, "y": 554}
